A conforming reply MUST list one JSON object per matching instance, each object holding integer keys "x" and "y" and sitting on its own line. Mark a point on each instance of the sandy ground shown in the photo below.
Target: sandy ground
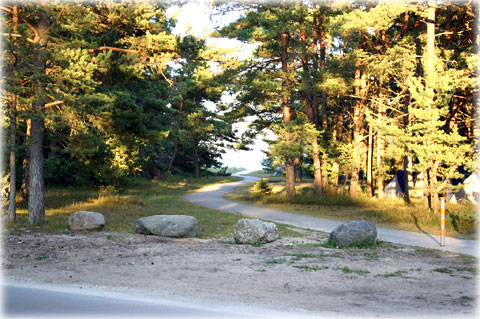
{"x": 291, "y": 274}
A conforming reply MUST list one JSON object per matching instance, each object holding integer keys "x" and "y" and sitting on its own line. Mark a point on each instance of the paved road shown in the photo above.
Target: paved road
{"x": 28, "y": 301}
{"x": 212, "y": 197}
{"x": 32, "y": 300}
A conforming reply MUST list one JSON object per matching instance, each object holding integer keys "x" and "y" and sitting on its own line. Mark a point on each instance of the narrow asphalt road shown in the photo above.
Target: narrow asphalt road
{"x": 212, "y": 197}
{"x": 43, "y": 301}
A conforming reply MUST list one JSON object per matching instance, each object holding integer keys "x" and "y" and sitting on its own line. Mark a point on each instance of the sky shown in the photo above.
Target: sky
{"x": 193, "y": 19}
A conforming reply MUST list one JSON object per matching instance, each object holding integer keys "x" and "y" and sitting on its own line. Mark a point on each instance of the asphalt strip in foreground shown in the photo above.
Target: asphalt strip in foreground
{"x": 34, "y": 300}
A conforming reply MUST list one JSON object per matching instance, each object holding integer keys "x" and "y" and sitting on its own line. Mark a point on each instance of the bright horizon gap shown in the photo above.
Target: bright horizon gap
{"x": 193, "y": 19}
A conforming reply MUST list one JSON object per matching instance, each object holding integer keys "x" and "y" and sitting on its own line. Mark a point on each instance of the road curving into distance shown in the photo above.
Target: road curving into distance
{"x": 212, "y": 196}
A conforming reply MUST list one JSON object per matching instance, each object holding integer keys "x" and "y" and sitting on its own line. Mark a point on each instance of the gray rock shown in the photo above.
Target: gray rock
{"x": 177, "y": 226}
{"x": 84, "y": 220}
{"x": 356, "y": 232}
{"x": 248, "y": 231}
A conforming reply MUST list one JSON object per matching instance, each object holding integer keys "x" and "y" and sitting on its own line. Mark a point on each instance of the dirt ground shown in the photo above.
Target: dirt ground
{"x": 291, "y": 274}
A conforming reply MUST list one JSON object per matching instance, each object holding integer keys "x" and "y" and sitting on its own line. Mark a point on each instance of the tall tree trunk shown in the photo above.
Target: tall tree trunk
{"x": 434, "y": 187}
{"x": 12, "y": 205}
{"x": 36, "y": 199}
{"x": 176, "y": 143}
{"x": 289, "y": 169}
{"x": 406, "y": 167}
{"x": 172, "y": 159}
{"x": 317, "y": 175}
{"x": 358, "y": 120}
{"x": 313, "y": 112}
{"x": 25, "y": 165}
{"x": 356, "y": 137}
{"x": 429, "y": 80}
{"x": 324, "y": 101}
{"x": 196, "y": 159}
{"x": 36, "y": 195}
{"x": 380, "y": 154}
{"x": 369, "y": 162}
{"x": 315, "y": 39}
{"x": 424, "y": 183}
{"x": 297, "y": 164}
{"x": 407, "y": 176}
{"x": 337, "y": 136}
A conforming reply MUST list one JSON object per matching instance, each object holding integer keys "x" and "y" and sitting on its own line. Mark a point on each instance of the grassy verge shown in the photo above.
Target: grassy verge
{"x": 393, "y": 213}
{"x": 142, "y": 198}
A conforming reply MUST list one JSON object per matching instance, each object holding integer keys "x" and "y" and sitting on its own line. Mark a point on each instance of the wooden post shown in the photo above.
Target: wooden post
{"x": 442, "y": 222}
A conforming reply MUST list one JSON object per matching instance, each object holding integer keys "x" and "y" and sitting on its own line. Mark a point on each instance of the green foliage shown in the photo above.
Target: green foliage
{"x": 124, "y": 96}
{"x": 262, "y": 187}
{"x": 347, "y": 270}
{"x": 226, "y": 171}
{"x": 371, "y": 256}
{"x": 398, "y": 273}
{"x": 115, "y": 92}
{"x": 464, "y": 219}
{"x": 311, "y": 268}
{"x": 461, "y": 219}
{"x": 276, "y": 261}
{"x": 121, "y": 208}
{"x": 257, "y": 244}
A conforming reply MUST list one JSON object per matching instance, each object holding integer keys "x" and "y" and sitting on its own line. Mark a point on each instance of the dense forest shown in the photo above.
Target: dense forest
{"x": 95, "y": 93}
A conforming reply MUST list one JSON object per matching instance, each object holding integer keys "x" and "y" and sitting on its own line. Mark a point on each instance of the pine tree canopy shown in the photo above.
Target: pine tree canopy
{"x": 350, "y": 89}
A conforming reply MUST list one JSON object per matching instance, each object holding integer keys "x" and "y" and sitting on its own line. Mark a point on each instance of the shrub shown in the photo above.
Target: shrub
{"x": 262, "y": 187}
{"x": 464, "y": 221}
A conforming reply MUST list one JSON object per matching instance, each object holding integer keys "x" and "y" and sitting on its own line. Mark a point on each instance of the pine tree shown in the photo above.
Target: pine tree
{"x": 63, "y": 95}
{"x": 271, "y": 76}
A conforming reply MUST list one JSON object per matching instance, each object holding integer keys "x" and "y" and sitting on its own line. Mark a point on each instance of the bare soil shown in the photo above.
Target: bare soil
{"x": 293, "y": 273}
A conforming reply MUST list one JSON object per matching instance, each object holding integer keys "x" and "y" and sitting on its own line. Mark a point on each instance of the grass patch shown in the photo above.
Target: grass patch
{"x": 347, "y": 270}
{"x": 257, "y": 244}
{"x": 398, "y": 273}
{"x": 371, "y": 256}
{"x": 472, "y": 270}
{"x": 311, "y": 268}
{"x": 451, "y": 270}
{"x": 42, "y": 257}
{"x": 311, "y": 245}
{"x": 466, "y": 298}
{"x": 330, "y": 244}
{"x": 444, "y": 270}
{"x": 276, "y": 261}
{"x": 300, "y": 256}
{"x": 142, "y": 198}
{"x": 425, "y": 250}
{"x": 462, "y": 219}
{"x": 287, "y": 231}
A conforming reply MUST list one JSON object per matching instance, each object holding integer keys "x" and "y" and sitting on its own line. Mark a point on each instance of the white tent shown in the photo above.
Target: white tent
{"x": 469, "y": 191}
{"x": 393, "y": 189}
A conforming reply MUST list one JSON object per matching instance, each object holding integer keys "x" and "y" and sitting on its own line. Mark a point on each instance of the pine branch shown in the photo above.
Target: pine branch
{"x": 56, "y": 19}
{"x": 103, "y": 48}
{"x": 14, "y": 35}
{"x": 47, "y": 105}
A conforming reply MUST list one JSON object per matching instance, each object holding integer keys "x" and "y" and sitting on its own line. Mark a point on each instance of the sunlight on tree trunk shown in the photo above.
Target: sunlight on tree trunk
{"x": 36, "y": 195}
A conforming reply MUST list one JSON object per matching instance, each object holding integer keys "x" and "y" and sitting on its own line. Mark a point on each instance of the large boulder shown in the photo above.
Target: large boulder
{"x": 357, "y": 232}
{"x": 249, "y": 231}
{"x": 177, "y": 226}
{"x": 83, "y": 220}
